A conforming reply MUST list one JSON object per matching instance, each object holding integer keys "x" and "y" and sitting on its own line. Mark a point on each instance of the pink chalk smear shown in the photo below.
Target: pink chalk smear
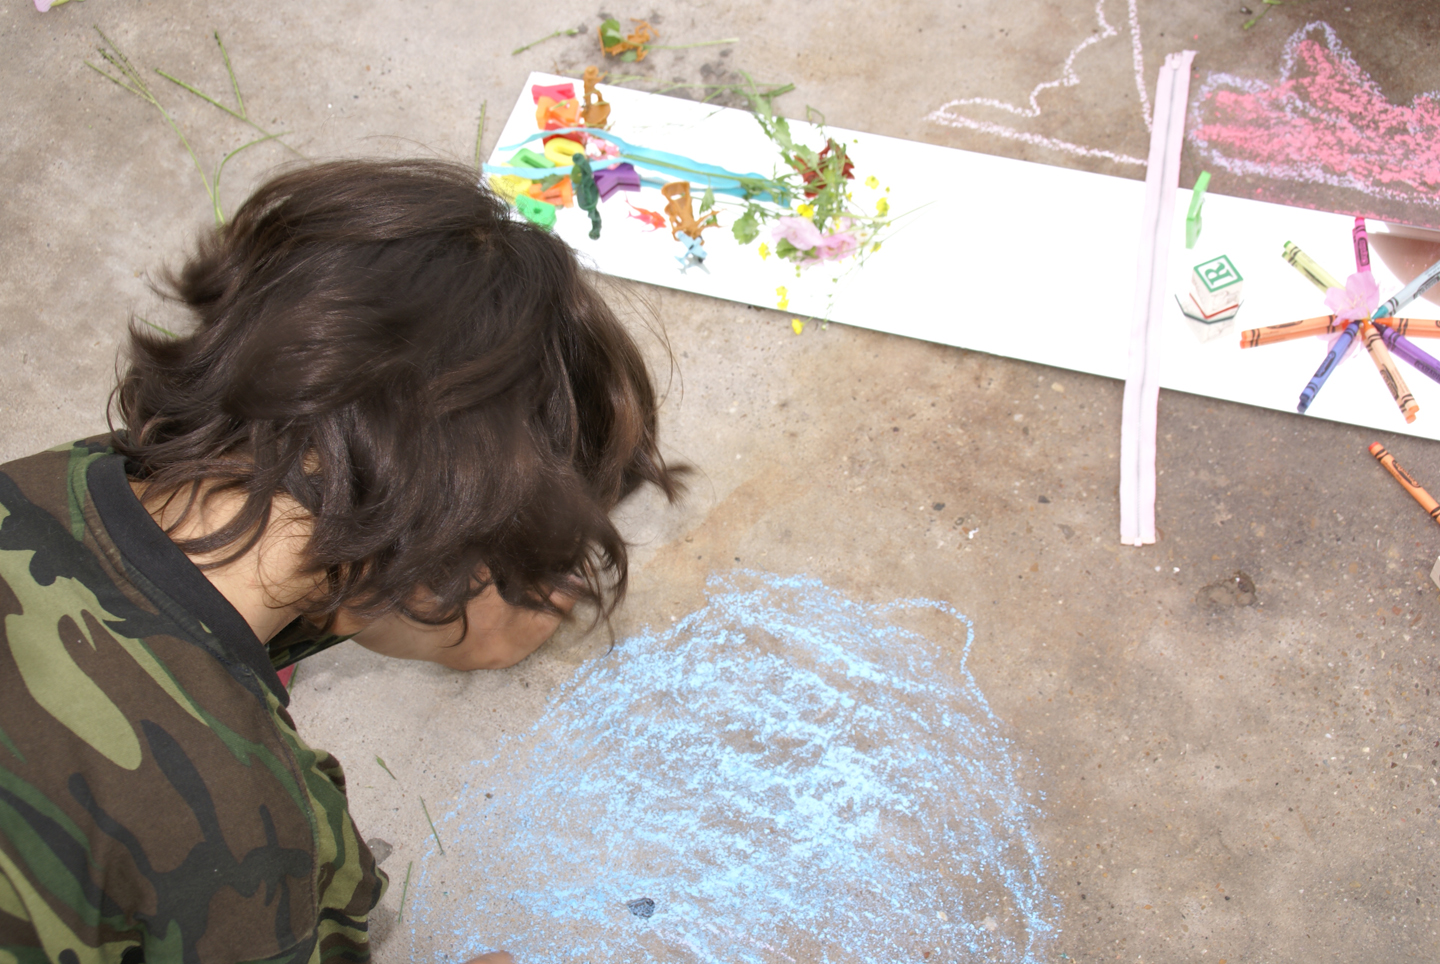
{"x": 1324, "y": 121}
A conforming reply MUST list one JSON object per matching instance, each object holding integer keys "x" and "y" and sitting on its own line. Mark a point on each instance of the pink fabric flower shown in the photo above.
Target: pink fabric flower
{"x": 1357, "y": 299}
{"x": 834, "y": 247}
{"x": 43, "y": 5}
{"x": 804, "y": 236}
{"x": 800, "y": 232}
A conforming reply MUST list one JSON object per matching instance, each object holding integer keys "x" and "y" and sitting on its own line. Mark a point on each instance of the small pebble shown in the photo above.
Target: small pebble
{"x": 641, "y": 907}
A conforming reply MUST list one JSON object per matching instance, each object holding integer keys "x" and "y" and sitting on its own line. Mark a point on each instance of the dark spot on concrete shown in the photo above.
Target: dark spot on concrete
{"x": 1236, "y": 590}
{"x": 1044, "y": 500}
{"x": 1066, "y": 531}
{"x": 938, "y": 506}
{"x": 641, "y": 907}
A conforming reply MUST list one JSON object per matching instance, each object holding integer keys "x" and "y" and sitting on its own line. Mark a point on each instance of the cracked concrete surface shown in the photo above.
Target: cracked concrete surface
{"x": 1232, "y": 734}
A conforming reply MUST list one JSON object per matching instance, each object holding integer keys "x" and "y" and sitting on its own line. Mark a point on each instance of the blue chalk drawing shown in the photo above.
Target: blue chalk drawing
{"x": 785, "y": 775}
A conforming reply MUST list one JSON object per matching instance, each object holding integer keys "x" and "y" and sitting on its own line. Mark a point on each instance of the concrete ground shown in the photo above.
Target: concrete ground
{"x": 1230, "y": 736}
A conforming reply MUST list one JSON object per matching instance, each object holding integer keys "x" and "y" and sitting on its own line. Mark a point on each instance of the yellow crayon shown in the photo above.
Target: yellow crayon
{"x": 1307, "y": 266}
{"x": 1416, "y": 490}
{"x": 1321, "y": 325}
{"x": 1389, "y": 373}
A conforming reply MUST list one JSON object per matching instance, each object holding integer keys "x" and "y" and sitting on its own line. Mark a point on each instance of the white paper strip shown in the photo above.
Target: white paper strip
{"x": 1056, "y": 247}
{"x": 1142, "y": 379}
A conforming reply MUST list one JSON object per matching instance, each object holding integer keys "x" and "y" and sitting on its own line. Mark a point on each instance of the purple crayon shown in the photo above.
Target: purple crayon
{"x": 1419, "y": 359}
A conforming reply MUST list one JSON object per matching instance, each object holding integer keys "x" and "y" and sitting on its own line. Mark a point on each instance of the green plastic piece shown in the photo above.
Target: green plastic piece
{"x": 1197, "y": 201}
{"x": 536, "y": 212}
{"x": 528, "y": 158}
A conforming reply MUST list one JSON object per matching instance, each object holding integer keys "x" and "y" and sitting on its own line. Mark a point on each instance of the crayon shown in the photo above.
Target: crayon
{"x": 1361, "y": 239}
{"x": 1306, "y": 265}
{"x": 1331, "y": 362}
{"x": 1197, "y": 201}
{"x": 1412, "y": 327}
{"x": 1416, "y": 490}
{"x": 1422, "y": 283}
{"x": 1412, "y": 354}
{"x": 1322, "y": 325}
{"x": 1389, "y": 374}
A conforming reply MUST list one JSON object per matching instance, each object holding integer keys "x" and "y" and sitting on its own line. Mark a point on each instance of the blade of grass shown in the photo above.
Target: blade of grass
{"x": 163, "y": 331}
{"x": 219, "y": 215}
{"x": 479, "y": 133}
{"x": 234, "y": 83}
{"x": 122, "y": 63}
{"x": 386, "y": 769}
{"x": 403, "y": 891}
{"x": 432, "y": 826}
{"x": 215, "y": 103}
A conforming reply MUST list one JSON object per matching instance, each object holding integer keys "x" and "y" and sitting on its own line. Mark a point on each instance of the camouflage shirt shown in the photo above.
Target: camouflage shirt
{"x": 156, "y": 803}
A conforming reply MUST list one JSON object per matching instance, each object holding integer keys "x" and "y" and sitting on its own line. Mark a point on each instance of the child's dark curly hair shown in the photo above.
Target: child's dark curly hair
{"x": 437, "y": 384}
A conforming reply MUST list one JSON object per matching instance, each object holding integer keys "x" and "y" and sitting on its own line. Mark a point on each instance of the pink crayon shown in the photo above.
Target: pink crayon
{"x": 1362, "y": 246}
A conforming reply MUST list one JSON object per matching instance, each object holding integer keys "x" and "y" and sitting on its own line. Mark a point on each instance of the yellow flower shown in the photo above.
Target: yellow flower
{"x": 882, "y": 207}
{"x": 872, "y": 182}
{"x": 784, "y": 296}
{"x": 764, "y": 250}
{"x": 796, "y": 325}
{"x": 805, "y": 211}
{"x": 875, "y": 247}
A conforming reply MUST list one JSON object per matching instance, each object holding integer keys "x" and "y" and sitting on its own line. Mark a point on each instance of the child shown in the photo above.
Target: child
{"x": 400, "y": 411}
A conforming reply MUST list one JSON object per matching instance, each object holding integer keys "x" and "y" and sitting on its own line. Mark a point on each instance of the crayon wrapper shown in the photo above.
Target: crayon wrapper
{"x": 1362, "y": 246}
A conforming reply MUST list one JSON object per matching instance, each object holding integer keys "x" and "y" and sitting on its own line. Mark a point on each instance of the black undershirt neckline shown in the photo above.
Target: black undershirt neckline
{"x": 146, "y": 546}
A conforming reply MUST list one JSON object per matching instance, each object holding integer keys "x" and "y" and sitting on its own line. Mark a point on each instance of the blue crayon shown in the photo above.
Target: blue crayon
{"x": 1423, "y": 282}
{"x": 1327, "y": 366}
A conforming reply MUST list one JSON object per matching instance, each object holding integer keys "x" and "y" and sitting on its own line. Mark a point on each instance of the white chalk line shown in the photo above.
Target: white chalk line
{"x": 1068, "y": 78}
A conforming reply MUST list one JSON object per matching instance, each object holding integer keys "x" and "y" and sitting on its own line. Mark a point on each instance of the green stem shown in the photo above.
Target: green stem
{"x": 703, "y": 43}
{"x": 535, "y": 43}
{"x": 385, "y": 768}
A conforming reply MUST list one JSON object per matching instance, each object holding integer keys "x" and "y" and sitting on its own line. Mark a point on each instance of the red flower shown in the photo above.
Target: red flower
{"x": 811, "y": 174}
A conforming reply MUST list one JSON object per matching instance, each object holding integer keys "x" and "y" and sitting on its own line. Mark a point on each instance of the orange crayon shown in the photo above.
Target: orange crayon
{"x": 1389, "y": 372}
{"x": 1413, "y": 327}
{"x": 1322, "y": 325}
{"x": 1416, "y": 490}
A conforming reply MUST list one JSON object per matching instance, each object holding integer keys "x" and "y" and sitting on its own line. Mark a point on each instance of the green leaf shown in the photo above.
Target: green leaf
{"x": 782, "y": 133}
{"x": 708, "y": 201}
{"x": 746, "y": 229}
{"x": 786, "y": 250}
{"x": 610, "y": 34}
{"x": 628, "y": 56}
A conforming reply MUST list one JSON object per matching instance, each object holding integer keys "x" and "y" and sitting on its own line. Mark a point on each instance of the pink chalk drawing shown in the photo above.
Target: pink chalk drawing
{"x": 1325, "y": 121}
{"x": 951, "y": 115}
